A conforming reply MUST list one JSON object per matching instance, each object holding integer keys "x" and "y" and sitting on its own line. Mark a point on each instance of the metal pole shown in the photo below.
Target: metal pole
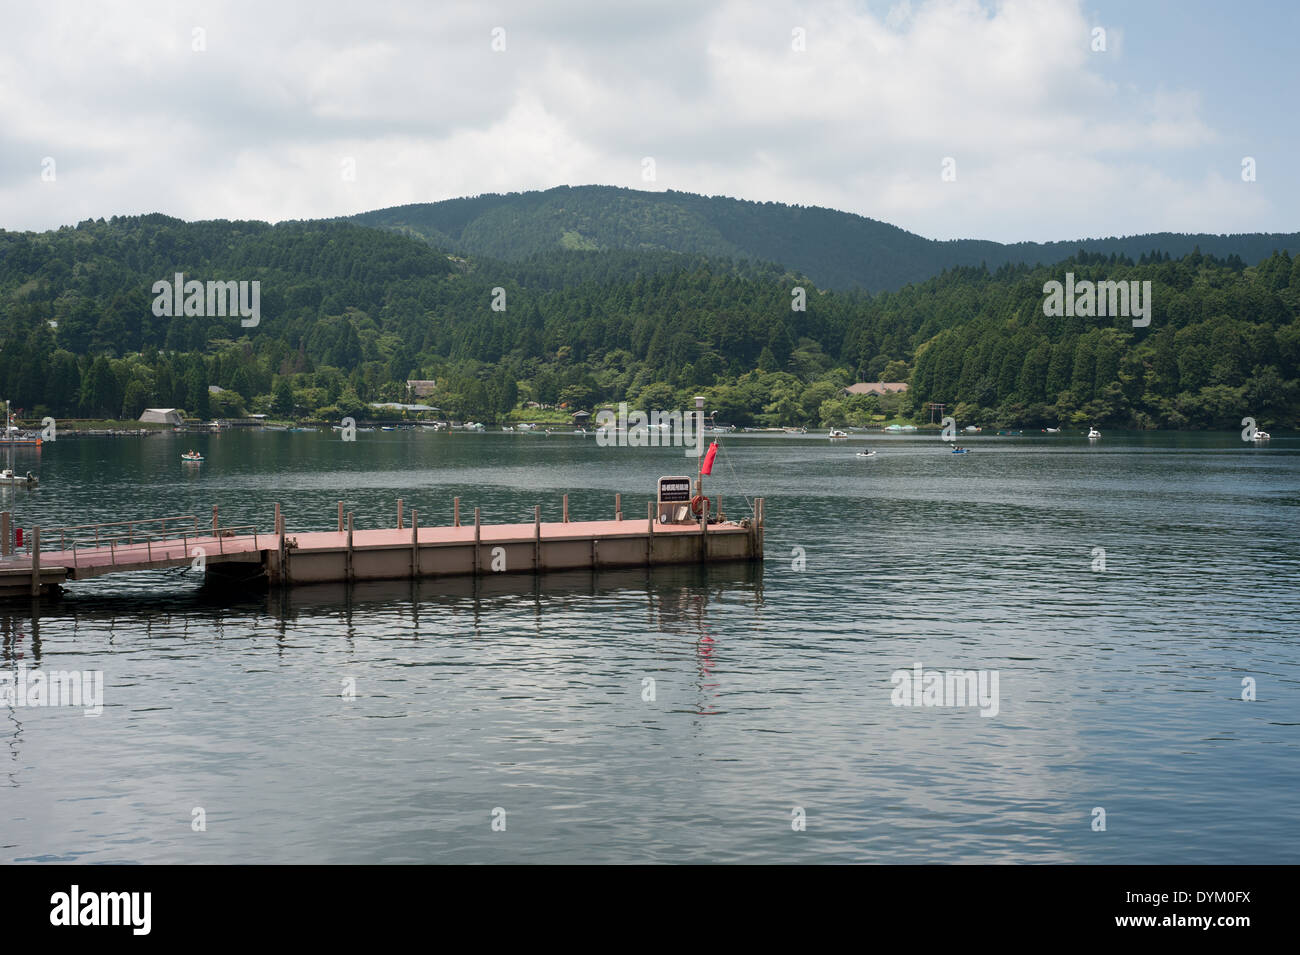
{"x": 415, "y": 543}
{"x": 36, "y": 561}
{"x": 699, "y": 444}
{"x": 5, "y": 530}
{"x": 537, "y": 538}
{"x": 349, "y": 546}
{"x": 618, "y": 507}
{"x": 399, "y": 513}
{"x": 477, "y": 536}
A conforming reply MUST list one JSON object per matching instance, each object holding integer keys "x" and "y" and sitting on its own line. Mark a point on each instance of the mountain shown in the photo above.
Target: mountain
{"x": 349, "y": 314}
{"x": 836, "y": 250}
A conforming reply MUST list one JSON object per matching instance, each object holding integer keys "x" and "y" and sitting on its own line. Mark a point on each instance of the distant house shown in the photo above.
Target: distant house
{"x": 162, "y": 416}
{"x": 421, "y": 388}
{"x": 581, "y": 417}
{"x": 877, "y": 388}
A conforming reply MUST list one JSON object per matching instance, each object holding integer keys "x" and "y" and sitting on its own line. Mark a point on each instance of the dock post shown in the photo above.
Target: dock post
{"x": 719, "y": 503}
{"x": 618, "y": 507}
{"x": 36, "y": 561}
{"x": 6, "y": 519}
{"x": 215, "y": 525}
{"x": 649, "y": 532}
{"x": 340, "y": 517}
{"x": 477, "y": 530}
{"x": 566, "y": 508}
{"x": 349, "y": 547}
{"x": 704, "y": 537}
{"x": 455, "y": 512}
{"x": 399, "y": 513}
{"x": 537, "y": 538}
{"x": 415, "y": 543}
{"x": 282, "y": 552}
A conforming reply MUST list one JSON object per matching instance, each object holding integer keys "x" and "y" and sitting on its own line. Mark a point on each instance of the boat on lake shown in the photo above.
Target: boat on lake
{"x": 1093, "y": 434}
{"x": 192, "y": 457}
{"x": 837, "y": 434}
{"x": 866, "y": 454}
{"x": 7, "y": 476}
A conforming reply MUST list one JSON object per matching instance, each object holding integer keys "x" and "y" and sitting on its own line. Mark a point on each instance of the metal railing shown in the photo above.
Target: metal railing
{"x": 143, "y": 541}
{"x": 110, "y": 532}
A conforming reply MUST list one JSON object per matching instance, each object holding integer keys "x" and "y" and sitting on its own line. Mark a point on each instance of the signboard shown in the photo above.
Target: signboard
{"x": 675, "y": 500}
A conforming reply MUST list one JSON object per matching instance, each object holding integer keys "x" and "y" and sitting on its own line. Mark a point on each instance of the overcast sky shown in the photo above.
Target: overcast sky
{"x": 260, "y": 110}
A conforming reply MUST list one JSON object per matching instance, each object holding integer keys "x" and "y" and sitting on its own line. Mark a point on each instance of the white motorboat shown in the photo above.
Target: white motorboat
{"x": 866, "y": 454}
{"x": 1261, "y": 436}
{"x": 1093, "y": 434}
{"x": 837, "y": 434}
{"x": 7, "y": 476}
{"x": 1055, "y": 431}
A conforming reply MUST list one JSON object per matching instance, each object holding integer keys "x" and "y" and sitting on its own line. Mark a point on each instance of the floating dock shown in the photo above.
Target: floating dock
{"x": 248, "y": 557}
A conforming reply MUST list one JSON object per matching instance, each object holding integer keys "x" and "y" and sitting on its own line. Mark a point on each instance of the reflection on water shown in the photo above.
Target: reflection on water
{"x": 1120, "y": 689}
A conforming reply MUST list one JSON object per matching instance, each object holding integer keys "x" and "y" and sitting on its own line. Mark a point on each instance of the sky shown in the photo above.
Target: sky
{"x": 1019, "y": 120}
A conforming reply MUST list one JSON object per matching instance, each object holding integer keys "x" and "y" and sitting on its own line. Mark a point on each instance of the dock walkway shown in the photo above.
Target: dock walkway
{"x": 248, "y": 556}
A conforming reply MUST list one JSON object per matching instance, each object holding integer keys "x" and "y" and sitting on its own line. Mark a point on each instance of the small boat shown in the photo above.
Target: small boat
{"x": 387, "y": 427}
{"x": 837, "y": 434}
{"x": 1052, "y": 430}
{"x": 192, "y": 456}
{"x": 971, "y": 429}
{"x": 961, "y": 450}
{"x": 866, "y": 454}
{"x": 1093, "y": 434}
{"x": 7, "y": 476}
{"x": 1261, "y": 436}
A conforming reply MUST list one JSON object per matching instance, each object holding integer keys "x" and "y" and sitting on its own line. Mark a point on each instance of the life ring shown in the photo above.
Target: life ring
{"x": 699, "y": 505}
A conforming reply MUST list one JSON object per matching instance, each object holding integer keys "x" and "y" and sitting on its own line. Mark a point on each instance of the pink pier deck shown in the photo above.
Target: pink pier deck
{"x": 282, "y": 559}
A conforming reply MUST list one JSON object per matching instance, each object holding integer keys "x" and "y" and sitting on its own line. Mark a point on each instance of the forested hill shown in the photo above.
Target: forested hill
{"x": 837, "y": 250}
{"x": 349, "y": 314}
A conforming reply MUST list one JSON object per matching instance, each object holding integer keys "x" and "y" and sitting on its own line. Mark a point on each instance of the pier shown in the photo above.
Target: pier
{"x": 248, "y": 556}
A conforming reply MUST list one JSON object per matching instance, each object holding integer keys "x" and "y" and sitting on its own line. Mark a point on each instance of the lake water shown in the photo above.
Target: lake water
{"x": 1118, "y": 689}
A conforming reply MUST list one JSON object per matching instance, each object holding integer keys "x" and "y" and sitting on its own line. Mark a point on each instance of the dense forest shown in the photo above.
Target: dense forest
{"x": 837, "y": 250}
{"x": 349, "y": 313}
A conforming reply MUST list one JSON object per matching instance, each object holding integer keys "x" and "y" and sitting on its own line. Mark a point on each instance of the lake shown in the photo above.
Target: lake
{"x": 1122, "y": 598}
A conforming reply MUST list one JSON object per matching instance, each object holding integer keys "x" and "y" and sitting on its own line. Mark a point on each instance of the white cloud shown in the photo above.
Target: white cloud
{"x": 257, "y": 125}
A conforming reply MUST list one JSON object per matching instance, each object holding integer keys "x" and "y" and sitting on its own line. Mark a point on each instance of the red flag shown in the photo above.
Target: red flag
{"x": 708, "y": 458}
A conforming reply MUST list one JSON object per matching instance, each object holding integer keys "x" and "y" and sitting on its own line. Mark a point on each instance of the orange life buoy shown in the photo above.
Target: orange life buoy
{"x": 699, "y": 504}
